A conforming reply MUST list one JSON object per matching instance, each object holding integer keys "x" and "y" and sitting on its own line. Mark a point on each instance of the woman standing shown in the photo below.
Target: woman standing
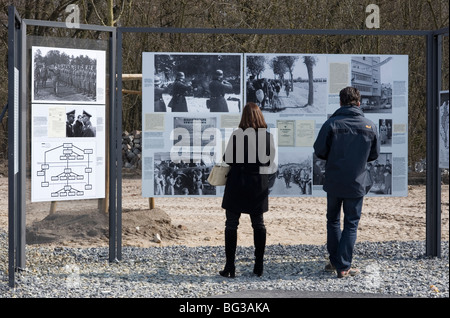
{"x": 250, "y": 153}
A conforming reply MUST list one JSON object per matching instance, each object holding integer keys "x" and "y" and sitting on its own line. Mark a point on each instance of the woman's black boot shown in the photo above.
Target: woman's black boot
{"x": 259, "y": 238}
{"x": 230, "y": 253}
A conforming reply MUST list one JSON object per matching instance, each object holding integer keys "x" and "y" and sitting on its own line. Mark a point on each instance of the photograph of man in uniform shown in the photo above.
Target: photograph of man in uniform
{"x": 69, "y": 123}
{"x": 81, "y": 127}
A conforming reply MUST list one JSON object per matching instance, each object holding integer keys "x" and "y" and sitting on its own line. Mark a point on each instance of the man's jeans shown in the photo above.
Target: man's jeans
{"x": 340, "y": 243}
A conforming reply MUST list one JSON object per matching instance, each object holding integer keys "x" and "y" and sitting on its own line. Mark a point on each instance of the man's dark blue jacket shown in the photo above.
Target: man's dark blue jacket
{"x": 347, "y": 141}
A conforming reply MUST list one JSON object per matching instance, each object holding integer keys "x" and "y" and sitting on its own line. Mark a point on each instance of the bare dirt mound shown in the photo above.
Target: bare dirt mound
{"x": 89, "y": 227}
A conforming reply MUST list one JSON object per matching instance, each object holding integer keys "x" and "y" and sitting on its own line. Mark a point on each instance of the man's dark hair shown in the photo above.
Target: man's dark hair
{"x": 349, "y": 96}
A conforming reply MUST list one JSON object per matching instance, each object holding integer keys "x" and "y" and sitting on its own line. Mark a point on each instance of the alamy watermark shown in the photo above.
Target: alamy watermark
{"x": 373, "y": 278}
{"x": 373, "y": 19}
{"x": 73, "y": 19}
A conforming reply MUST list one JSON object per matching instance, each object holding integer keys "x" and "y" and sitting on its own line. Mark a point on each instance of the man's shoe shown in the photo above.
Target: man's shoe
{"x": 349, "y": 272}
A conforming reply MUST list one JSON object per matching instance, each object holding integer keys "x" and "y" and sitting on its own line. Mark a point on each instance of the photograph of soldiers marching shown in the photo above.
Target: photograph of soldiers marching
{"x": 64, "y": 75}
{"x": 294, "y": 174}
{"x": 287, "y": 83}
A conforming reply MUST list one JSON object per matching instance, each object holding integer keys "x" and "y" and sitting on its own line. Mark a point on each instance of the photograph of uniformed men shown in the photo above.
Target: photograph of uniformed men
{"x": 79, "y": 125}
{"x": 197, "y": 83}
{"x": 60, "y": 75}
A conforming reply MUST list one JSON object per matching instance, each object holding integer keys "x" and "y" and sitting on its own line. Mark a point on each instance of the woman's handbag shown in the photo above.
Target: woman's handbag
{"x": 218, "y": 175}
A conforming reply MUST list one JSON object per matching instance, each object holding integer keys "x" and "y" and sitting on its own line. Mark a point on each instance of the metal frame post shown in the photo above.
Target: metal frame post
{"x": 115, "y": 170}
{"x": 433, "y": 188}
{"x": 14, "y": 24}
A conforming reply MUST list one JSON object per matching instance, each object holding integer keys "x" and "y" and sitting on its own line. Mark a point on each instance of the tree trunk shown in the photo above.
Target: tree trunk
{"x": 309, "y": 67}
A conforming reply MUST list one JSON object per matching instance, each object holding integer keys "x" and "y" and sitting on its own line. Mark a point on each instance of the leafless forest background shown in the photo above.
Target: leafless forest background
{"x": 245, "y": 14}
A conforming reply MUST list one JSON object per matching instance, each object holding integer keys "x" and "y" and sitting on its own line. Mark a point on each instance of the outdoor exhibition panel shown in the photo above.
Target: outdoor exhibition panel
{"x": 296, "y": 93}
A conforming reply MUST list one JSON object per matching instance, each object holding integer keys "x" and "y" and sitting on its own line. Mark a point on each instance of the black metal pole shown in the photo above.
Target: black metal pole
{"x": 119, "y": 142}
{"x": 12, "y": 102}
{"x": 433, "y": 194}
{"x": 22, "y": 148}
{"x": 115, "y": 154}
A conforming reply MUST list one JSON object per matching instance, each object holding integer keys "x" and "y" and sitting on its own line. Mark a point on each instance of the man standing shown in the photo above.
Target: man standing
{"x": 347, "y": 141}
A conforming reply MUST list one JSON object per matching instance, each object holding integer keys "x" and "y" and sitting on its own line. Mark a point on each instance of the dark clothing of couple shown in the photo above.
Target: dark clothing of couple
{"x": 347, "y": 141}
{"x": 247, "y": 186}
{"x": 247, "y": 191}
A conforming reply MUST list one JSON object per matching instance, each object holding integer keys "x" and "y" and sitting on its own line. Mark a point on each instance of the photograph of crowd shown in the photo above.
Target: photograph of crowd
{"x": 197, "y": 83}
{"x": 294, "y": 175}
{"x": 287, "y": 83}
{"x": 182, "y": 178}
{"x": 64, "y": 75}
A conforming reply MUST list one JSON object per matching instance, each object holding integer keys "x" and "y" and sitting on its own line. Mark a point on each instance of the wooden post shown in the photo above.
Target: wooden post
{"x": 52, "y": 207}
{"x": 151, "y": 202}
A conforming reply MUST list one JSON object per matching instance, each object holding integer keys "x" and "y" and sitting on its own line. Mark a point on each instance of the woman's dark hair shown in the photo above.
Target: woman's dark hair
{"x": 252, "y": 117}
{"x": 349, "y": 96}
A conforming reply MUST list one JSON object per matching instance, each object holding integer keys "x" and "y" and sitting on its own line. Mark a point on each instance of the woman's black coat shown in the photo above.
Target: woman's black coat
{"x": 247, "y": 186}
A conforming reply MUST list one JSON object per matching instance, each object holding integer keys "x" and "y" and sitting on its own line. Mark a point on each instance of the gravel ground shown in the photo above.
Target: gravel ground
{"x": 388, "y": 269}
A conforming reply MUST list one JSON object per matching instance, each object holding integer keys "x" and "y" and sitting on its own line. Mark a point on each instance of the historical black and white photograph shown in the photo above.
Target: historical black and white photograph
{"x": 318, "y": 171}
{"x": 181, "y": 178}
{"x": 385, "y": 132}
{"x": 80, "y": 123}
{"x": 381, "y": 174}
{"x": 294, "y": 84}
{"x": 294, "y": 174}
{"x": 197, "y": 83}
{"x": 372, "y": 76}
{"x": 62, "y": 75}
{"x": 200, "y": 130}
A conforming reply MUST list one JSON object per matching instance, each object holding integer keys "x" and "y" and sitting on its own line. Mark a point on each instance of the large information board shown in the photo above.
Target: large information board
{"x": 187, "y": 119}
{"x": 68, "y": 123}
